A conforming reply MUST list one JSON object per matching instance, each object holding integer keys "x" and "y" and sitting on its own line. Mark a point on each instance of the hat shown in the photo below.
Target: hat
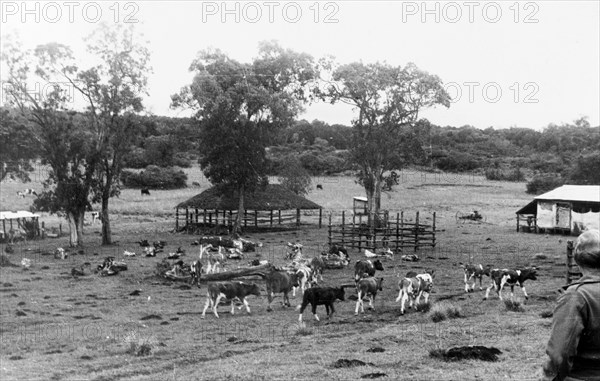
{"x": 587, "y": 249}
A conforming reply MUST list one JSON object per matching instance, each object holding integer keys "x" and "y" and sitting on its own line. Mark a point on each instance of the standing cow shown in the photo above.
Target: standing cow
{"x": 280, "y": 281}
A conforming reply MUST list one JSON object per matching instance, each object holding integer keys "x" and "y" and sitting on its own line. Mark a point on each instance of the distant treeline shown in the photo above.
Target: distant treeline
{"x": 552, "y": 156}
{"x": 502, "y": 154}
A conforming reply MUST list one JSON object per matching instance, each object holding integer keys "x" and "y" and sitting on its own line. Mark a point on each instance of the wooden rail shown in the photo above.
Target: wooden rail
{"x": 394, "y": 233}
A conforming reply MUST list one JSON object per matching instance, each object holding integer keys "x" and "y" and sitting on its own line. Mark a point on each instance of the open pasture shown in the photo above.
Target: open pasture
{"x": 57, "y": 327}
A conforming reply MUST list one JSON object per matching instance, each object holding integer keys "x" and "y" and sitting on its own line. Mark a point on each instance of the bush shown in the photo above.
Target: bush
{"x": 136, "y": 158}
{"x": 513, "y": 305}
{"x": 457, "y": 162}
{"x": 496, "y": 174}
{"x": 542, "y": 184}
{"x": 154, "y": 177}
{"x": 294, "y": 177}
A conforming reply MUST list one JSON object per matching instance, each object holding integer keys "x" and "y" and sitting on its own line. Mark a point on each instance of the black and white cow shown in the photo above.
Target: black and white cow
{"x": 474, "y": 272}
{"x": 296, "y": 253}
{"x": 195, "y": 271}
{"x": 413, "y": 288}
{"x": 367, "y": 287}
{"x": 26, "y": 192}
{"x": 229, "y": 290}
{"x": 501, "y": 277}
{"x": 280, "y": 281}
{"x": 305, "y": 276}
{"x": 366, "y": 267}
{"x": 321, "y": 296}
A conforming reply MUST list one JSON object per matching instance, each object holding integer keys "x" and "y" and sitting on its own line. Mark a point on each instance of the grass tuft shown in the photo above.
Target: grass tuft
{"x": 139, "y": 346}
{"x": 513, "y": 305}
{"x": 444, "y": 310}
{"x": 424, "y": 307}
{"x": 302, "y": 330}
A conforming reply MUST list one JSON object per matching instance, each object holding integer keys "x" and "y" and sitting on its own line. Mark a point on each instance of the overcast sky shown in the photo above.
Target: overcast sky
{"x": 505, "y": 63}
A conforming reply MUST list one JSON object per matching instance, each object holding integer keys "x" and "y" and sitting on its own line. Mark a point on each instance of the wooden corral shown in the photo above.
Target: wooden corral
{"x": 270, "y": 208}
{"x": 394, "y": 232}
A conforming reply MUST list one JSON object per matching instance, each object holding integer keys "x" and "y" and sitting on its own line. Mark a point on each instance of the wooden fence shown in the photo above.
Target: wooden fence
{"x": 196, "y": 220}
{"x": 573, "y": 271}
{"x": 394, "y": 232}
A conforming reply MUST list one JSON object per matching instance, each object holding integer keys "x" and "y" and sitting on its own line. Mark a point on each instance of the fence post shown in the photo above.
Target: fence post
{"x": 320, "y": 216}
{"x": 245, "y": 218}
{"x": 397, "y": 230}
{"x": 343, "y": 225}
{"x": 271, "y": 219}
{"x": 187, "y": 219}
{"x": 433, "y": 229}
{"x": 255, "y": 218}
{"x": 570, "y": 265}
{"x": 417, "y": 231}
{"x": 329, "y": 231}
{"x": 402, "y": 228}
{"x": 176, "y": 220}
{"x": 279, "y": 212}
{"x": 204, "y": 218}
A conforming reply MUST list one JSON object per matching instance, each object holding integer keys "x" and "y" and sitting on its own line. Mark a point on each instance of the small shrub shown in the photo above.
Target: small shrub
{"x": 497, "y": 174}
{"x": 139, "y": 346}
{"x": 302, "y": 330}
{"x": 437, "y": 316}
{"x": 444, "y": 310}
{"x": 513, "y": 305}
{"x": 424, "y": 307}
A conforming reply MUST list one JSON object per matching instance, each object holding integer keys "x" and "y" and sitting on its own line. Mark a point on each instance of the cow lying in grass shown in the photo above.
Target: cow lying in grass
{"x": 501, "y": 277}
{"x": 413, "y": 288}
{"x": 319, "y": 296}
{"x": 367, "y": 287}
{"x": 230, "y": 291}
{"x": 475, "y": 272}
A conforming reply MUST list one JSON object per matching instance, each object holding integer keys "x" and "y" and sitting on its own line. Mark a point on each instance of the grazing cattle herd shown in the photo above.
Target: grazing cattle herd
{"x": 305, "y": 275}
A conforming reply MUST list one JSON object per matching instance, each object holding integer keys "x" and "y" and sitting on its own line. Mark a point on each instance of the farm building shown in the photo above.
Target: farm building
{"x": 566, "y": 209}
{"x": 19, "y": 221}
{"x": 272, "y": 207}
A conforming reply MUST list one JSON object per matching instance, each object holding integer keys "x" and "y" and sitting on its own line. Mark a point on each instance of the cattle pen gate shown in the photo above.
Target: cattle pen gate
{"x": 394, "y": 232}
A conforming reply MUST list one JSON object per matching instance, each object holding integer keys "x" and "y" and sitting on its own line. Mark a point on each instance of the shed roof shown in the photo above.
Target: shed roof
{"x": 584, "y": 193}
{"x": 273, "y": 197}
{"x": 16, "y": 215}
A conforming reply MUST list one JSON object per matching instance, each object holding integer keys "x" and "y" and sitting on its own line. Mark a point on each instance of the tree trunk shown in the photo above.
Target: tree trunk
{"x": 106, "y": 234}
{"x": 75, "y": 221}
{"x": 237, "y": 227}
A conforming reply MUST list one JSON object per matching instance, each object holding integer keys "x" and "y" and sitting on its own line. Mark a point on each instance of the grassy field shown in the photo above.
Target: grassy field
{"x": 57, "y": 327}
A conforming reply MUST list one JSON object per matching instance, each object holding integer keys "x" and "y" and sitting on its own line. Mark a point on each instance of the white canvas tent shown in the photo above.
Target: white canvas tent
{"x": 569, "y": 208}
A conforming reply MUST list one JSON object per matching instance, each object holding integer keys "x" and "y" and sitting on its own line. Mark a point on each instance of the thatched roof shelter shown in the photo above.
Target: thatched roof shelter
{"x": 263, "y": 207}
{"x": 273, "y": 197}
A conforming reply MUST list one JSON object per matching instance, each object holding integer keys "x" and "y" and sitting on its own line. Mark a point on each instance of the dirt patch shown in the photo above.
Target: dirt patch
{"x": 152, "y": 317}
{"x": 373, "y": 375}
{"x": 345, "y": 363}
